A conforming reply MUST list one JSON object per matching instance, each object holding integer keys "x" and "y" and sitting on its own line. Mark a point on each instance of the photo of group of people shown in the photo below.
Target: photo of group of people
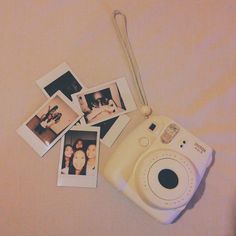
{"x": 105, "y": 102}
{"x": 101, "y": 104}
{"x": 79, "y": 157}
{"x": 47, "y": 125}
{"x": 51, "y": 120}
{"x": 48, "y": 119}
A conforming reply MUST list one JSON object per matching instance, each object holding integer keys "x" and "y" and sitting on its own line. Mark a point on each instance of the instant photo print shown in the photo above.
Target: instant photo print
{"x": 112, "y": 128}
{"x": 49, "y": 123}
{"x": 61, "y": 79}
{"x": 105, "y": 102}
{"x": 78, "y": 165}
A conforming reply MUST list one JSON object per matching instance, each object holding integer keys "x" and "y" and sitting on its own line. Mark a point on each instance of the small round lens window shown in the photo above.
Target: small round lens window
{"x": 168, "y": 178}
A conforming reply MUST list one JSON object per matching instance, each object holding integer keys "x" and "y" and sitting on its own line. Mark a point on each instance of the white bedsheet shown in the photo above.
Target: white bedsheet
{"x": 186, "y": 51}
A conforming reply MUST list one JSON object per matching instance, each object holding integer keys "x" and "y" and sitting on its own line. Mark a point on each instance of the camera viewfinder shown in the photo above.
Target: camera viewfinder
{"x": 152, "y": 126}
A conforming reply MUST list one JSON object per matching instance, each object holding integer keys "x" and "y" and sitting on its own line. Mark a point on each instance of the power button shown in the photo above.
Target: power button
{"x": 144, "y": 141}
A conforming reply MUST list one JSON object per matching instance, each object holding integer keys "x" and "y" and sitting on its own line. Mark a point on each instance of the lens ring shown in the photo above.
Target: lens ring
{"x": 153, "y": 192}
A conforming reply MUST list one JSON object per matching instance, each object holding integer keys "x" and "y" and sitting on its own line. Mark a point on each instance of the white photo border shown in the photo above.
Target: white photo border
{"x": 79, "y": 180}
{"x": 54, "y": 75}
{"x": 35, "y": 142}
{"x": 124, "y": 91}
{"x": 115, "y": 130}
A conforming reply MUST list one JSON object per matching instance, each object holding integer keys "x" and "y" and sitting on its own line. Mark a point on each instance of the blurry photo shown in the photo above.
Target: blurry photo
{"x": 49, "y": 123}
{"x": 105, "y": 102}
{"x": 60, "y": 79}
{"x": 78, "y": 164}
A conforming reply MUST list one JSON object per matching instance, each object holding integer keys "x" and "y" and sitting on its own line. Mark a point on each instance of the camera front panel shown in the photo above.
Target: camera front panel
{"x": 163, "y": 165}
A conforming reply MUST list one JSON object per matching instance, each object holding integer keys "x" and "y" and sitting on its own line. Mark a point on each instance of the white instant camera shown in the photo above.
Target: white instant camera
{"x": 159, "y": 166}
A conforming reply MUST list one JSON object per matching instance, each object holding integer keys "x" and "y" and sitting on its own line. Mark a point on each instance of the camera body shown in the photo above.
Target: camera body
{"x": 159, "y": 167}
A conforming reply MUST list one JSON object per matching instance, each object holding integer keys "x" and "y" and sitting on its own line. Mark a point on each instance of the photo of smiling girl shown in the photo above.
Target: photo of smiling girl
{"x": 78, "y": 164}
{"x": 67, "y": 157}
{"x": 91, "y": 160}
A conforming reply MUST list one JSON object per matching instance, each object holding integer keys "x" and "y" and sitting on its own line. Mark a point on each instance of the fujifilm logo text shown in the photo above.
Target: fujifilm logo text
{"x": 199, "y": 148}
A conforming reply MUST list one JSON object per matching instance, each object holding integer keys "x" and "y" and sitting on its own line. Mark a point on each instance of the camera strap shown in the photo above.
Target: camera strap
{"x": 120, "y": 24}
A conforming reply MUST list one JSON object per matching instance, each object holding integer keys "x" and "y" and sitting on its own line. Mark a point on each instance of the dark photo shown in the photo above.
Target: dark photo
{"x": 105, "y": 126}
{"x": 66, "y": 83}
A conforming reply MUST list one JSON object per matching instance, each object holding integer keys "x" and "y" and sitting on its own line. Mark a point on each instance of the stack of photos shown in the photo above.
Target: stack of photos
{"x": 80, "y": 117}
{"x": 63, "y": 79}
{"x": 105, "y": 101}
{"x": 103, "y": 106}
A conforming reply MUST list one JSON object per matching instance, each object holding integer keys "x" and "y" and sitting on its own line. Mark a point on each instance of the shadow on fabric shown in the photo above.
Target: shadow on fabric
{"x": 200, "y": 190}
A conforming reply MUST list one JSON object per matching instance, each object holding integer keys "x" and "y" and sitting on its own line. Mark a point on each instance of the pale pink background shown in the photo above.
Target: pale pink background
{"x": 186, "y": 51}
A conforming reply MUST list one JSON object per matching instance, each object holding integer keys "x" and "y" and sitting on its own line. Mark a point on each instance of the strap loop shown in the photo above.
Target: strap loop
{"x": 120, "y": 24}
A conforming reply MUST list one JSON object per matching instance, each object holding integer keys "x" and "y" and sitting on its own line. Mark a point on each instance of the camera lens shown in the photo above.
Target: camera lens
{"x": 168, "y": 178}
